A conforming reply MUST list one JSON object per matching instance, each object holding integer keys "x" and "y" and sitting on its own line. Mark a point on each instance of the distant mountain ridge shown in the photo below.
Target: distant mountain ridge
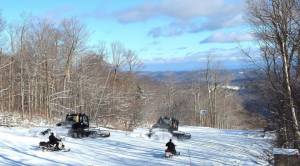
{"x": 237, "y": 75}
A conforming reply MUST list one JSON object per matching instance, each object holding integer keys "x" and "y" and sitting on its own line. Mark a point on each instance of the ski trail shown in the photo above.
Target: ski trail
{"x": 18, "y": 146}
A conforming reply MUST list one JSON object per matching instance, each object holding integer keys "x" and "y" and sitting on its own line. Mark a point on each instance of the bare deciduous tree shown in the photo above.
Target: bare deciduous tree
{"x": 276, "y": 24}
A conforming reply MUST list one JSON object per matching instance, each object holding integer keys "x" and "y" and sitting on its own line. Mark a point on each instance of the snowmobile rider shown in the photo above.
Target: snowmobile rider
{"x": 171, "y": 147}
{"x": 53, "y": 140}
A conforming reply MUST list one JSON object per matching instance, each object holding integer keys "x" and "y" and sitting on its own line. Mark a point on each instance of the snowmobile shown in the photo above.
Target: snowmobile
{"x": 78, "y": 125}
{"x": 46, "y": 146}
{"x": 170, "y": 154}
{"x": 170, "y": 151}
{"x": 170, "y": 125}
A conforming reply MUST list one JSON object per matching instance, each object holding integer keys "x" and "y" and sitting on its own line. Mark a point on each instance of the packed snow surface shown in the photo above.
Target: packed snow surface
{"x": 19, "y": 147}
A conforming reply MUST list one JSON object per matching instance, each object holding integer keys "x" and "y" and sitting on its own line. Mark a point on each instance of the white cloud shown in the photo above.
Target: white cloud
{"x": 185, "y": 14}
{"x": 221, "y": 37}
{"x": 138, "y": 13}
{"x": 178, "y": 9}
{"x": 192, "y": 8}
{"x": 211, "y": 24}
{"x": 173, "y": 29}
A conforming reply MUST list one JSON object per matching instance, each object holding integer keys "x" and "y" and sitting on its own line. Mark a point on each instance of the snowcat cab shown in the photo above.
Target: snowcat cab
{"x": 167, "y": 123}
{"x": 78, "y": 124}
{"x": 78, "y": 120}
{"x": 171, "y": 125}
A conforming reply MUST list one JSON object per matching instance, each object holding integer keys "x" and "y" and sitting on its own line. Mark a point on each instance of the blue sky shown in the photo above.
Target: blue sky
{"x": 165, "y": 34}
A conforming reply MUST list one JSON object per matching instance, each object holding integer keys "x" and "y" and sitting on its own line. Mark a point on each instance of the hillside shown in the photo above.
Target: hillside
{"x": 206, "y": 147}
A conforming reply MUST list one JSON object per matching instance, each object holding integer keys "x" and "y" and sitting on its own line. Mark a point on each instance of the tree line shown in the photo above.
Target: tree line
{"x": 48, "y": 69}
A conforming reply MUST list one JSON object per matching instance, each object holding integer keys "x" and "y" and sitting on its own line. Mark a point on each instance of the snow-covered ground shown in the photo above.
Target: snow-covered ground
{"x": 18, "y": 147}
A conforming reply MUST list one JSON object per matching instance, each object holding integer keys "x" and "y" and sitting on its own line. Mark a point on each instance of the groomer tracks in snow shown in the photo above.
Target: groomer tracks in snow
{"x": 18, "y": 146}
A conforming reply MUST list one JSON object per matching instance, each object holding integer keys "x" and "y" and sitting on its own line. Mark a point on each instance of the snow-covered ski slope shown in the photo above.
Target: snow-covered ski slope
{"x": 18, "y": 147}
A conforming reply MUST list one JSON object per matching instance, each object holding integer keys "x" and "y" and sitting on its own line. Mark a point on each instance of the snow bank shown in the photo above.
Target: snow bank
{"x": 231, "y": 87}
{"x": 282, "y": 151}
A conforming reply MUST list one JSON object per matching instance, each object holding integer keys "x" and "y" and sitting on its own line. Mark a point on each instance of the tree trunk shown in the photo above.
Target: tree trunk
{"x": 290, "y": 99}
